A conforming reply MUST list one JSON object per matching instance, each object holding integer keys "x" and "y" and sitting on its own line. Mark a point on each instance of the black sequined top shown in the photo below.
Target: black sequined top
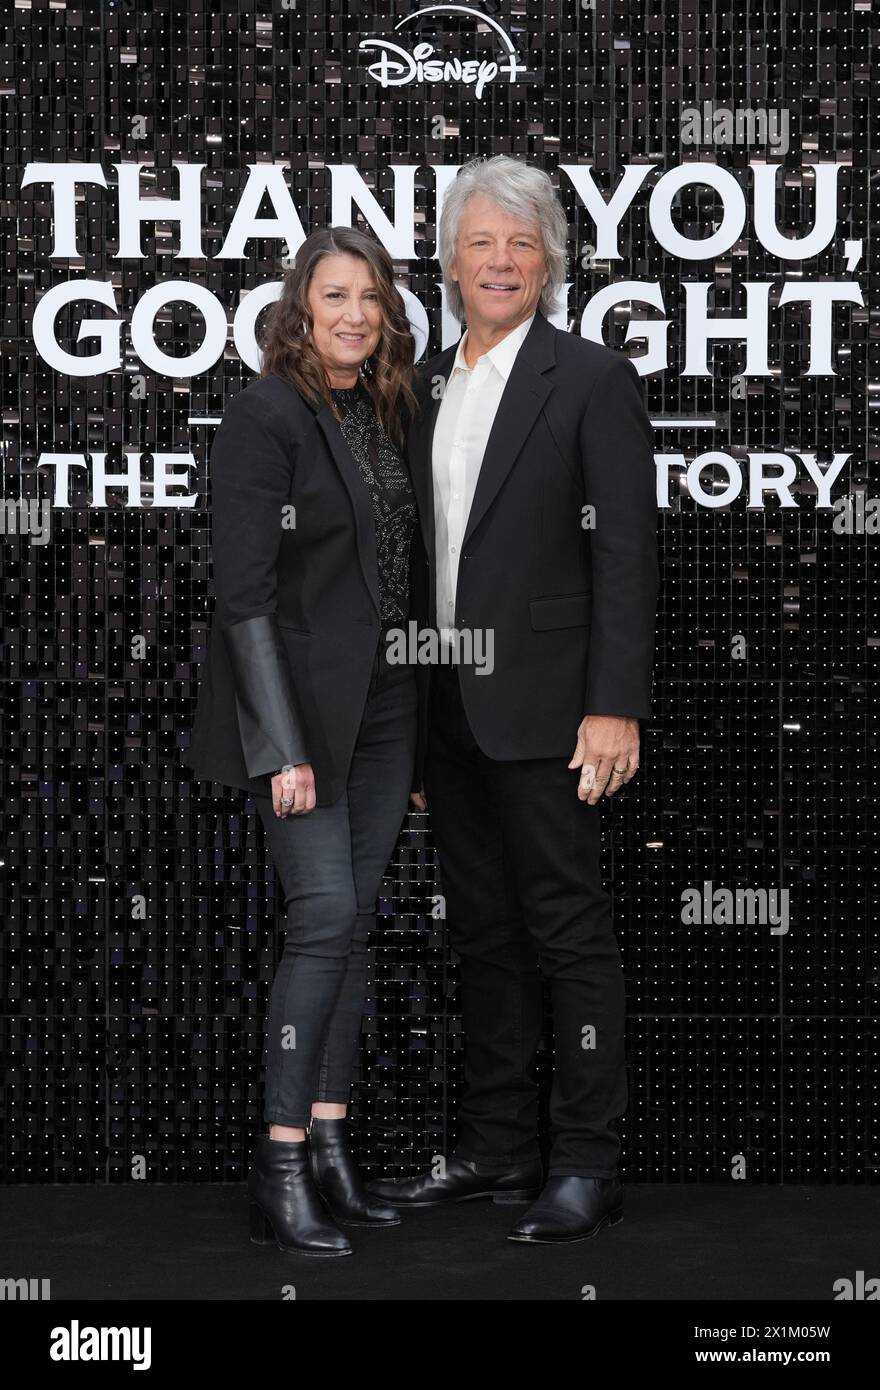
{"x": 394, "y": 508}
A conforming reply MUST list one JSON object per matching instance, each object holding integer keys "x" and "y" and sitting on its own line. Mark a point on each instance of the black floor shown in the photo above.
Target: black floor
{"x": 675, "y": 1242}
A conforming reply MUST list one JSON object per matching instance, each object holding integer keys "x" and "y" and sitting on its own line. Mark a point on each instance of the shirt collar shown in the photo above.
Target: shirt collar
{"x": 502, "y": 355}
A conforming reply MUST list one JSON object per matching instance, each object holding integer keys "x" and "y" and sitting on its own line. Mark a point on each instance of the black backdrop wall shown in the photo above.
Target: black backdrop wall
{"x": 140, "y": 927}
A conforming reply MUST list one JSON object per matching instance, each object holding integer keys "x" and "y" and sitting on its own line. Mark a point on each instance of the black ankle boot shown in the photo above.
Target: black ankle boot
{"x": 285, "y": 1205}
{"x": 339, "y": 1181}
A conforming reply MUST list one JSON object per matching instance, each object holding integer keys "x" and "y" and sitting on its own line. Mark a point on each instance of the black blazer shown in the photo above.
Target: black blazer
{"x": 573, "y": 610}
{"x": 296, "y": 619}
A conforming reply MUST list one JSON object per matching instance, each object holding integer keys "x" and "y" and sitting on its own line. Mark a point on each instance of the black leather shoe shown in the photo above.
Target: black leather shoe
{"x": 338, "y": 1178}
{"x": 571, "y": 1208}
{"x": 285, "y": 1205}
{"x": 460, "y": 1183}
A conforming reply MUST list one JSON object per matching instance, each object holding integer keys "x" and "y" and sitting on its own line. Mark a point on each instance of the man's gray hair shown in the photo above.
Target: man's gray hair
{"x": 522, "y": 191}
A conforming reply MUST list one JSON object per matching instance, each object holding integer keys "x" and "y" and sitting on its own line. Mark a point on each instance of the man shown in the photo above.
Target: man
{"x": 533, "y": 467}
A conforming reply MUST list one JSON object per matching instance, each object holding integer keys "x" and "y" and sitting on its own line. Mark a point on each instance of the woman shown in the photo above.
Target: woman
{"x": 313, "y": 518}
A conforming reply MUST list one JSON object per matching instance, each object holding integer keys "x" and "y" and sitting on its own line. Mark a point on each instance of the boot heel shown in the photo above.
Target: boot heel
{"x": 504, "y": 1199}
{"x": 261, "y": 1227}
{"x": 280, "y": 1182}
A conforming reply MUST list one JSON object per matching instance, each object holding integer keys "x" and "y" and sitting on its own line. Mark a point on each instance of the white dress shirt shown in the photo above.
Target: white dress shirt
{"x": 464, "y": 421}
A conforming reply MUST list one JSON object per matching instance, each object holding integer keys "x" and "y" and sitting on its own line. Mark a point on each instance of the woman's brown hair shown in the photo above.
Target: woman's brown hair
{"x": 287, "y": 346}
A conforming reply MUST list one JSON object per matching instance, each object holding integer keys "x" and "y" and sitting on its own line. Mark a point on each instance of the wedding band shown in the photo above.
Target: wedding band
{"x": 287, "y": 801}
{"x": 620, "y": 771}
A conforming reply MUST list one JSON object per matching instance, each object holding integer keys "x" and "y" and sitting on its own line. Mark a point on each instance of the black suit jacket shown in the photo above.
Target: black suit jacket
{"x": 573, "y": 610}
{"x": 296, "y": 617}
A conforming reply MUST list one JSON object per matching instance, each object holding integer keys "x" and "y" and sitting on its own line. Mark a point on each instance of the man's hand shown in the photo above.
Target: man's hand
{"x": 418, "y": 800}
{"x": 299, "y": 786}
{"x": 607, "y": 753}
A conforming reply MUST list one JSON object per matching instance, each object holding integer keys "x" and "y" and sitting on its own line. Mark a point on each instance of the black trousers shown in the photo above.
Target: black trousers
{"x": 520, "y": 870}
{"x": 331, "y": 862}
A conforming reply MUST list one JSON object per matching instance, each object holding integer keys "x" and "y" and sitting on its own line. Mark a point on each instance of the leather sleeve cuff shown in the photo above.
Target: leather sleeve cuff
{"x": 270, "y": 721}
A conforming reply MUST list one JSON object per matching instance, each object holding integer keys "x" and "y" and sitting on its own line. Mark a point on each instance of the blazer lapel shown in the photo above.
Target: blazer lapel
{"x": 421, "y": 442}
{"x": 524, "y": 394}
{"x": 360, "y": 499}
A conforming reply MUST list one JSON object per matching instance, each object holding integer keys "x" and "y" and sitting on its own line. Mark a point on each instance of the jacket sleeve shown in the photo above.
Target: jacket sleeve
{"x": 617, "y": 458}
{"x": 251, "y": 472}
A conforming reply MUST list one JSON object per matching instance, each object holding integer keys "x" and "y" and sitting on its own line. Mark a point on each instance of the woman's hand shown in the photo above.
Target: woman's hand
{"x": 297, "y": 786}
{"x": 418, "y": 800}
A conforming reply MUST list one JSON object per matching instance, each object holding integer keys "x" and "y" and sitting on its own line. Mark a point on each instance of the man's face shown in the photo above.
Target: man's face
{"x": 499, "y": 264}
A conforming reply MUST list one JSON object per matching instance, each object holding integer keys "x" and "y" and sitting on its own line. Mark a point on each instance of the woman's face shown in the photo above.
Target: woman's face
{"x": 346, "y": 315}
